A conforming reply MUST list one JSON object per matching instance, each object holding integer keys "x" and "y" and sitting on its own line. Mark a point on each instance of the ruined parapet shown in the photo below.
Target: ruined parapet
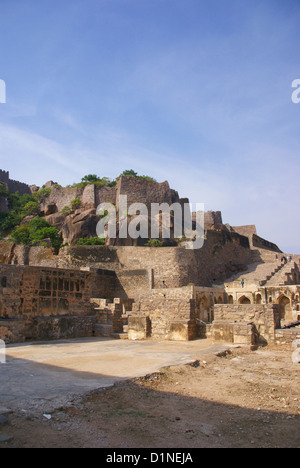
{"x": 13, "y": 185}
{"x": 245, "y": 324}
{"x": 170, "y": 319}
{"x": 213, "y": 220}
{"x": 255, "y": 240}
{"x": 108, "y": 316}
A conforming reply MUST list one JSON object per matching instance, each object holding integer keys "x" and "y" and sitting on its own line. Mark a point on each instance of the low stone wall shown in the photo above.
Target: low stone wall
{"x": 171, "y": 319}
{"x": 245, "y": 324}
{"x": 287, "y": 335}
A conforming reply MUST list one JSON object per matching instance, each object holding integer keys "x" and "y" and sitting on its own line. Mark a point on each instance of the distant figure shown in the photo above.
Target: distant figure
{"x": 291, "y": 258}
{"x": 242, "y": 283}
{"x": 164, "y": 285}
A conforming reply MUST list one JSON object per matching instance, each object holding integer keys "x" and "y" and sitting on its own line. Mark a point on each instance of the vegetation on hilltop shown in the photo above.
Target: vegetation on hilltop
{"x": 13, "y": 222}
{"x": 105, "y": 181}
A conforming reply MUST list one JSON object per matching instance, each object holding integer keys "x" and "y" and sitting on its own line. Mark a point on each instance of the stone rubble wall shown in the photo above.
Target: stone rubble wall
{"x": 245, "y": 323}
{"x": 48, "y": 303}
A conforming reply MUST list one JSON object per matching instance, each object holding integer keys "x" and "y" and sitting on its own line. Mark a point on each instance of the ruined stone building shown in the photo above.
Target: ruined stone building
{"x": 236, "y": 288}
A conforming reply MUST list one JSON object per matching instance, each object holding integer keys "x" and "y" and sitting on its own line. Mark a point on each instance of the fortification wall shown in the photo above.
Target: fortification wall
{"x": 247, "y": 231}
{"x": 13, "y": 185}
{"x": 145, "y": 191}
{"x": 264, "y": 244}
{"x": 3, "y": 204}
{"x": 46, "y": 303}
{"x": 222, "y": 255}
{"x": 213, "y": 220}
{"x": 62, "y": 196}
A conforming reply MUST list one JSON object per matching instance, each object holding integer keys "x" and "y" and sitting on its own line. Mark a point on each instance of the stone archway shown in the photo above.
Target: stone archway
{"x": 204, "y": 309}
{"x": 284, "y": 306}
{"x": 244, "y": 300}
{"x": 258, "y": 299}
{"x": 230, "y": 299}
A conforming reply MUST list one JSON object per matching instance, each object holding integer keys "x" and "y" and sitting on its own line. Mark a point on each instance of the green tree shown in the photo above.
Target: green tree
{"x": 21, "y": 235}
{"x": 42, "y": 194}
{"x": 129, "y": 172}
{"x": 31, "y": 208}
{"x": 91, "y": 179}
{"x": 37, "y": 230}
{"x": 3, "y": 190}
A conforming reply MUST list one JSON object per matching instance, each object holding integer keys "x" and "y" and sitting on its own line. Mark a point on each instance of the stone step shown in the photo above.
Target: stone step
{"x": 103, "y": 329}
{"x": 120, "y": 336}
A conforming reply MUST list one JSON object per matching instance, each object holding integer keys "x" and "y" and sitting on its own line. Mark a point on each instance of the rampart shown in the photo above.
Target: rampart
{"x": 46, "y": 303}
{"x": 13, "y": 185}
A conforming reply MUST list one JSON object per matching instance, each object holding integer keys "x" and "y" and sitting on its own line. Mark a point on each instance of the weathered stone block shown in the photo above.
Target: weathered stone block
{"x": 139, "y": 327}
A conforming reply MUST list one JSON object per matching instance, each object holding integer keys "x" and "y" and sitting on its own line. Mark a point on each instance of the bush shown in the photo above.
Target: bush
{"x": 132, "y": 173}
{"x": 36, "y": 230}
{"x": 42, "y": 194}
{"x": 76, "y": 203}
{"x": 21, "y": 235}
{"x": 154, "y": 243}
{"x": 91, "y": 241}
{"x": 31, "y": 208}
{"x": 66, "y": 210}
{"x": 17, "y": 204}
{"x": 3, "y": 190}
{"x": 47, "y": 233}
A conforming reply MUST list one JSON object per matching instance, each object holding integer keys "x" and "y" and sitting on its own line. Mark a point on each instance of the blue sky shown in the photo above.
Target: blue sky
{"x": 196, "y": 92}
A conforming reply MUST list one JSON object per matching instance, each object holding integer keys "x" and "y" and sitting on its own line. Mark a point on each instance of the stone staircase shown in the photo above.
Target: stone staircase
{"x": 257, "y": 274}
{"x": 111, "y": 319}
{"x": 283, "y": 276}
{"x": 267, "y": 269}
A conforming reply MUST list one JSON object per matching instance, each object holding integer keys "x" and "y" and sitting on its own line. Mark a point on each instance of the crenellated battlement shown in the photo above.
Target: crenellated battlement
{"x": 13, "y": 185}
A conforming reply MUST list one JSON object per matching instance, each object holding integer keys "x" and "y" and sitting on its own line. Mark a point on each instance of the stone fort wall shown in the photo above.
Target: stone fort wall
{"x": 49, "y": 303}
{"x": 13, "y": 185}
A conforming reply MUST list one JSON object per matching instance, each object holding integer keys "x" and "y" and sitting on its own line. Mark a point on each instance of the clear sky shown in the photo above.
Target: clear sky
{"x": 196, "y": 92}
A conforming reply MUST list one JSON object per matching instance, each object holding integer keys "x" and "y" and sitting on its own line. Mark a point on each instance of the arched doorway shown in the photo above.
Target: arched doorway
{"x": 230, "y": 299}
{"x": 284, "y": 306}
{"x": 204, "y": 309}
{"x": 258, "y": 299}
{"x": 244, "y": 300}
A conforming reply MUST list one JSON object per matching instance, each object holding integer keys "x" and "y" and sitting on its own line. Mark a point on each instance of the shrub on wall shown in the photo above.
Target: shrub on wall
{"x": 76, "y": 203}
{"x": 154, "y": 243}
{"x": 91, "y": 241}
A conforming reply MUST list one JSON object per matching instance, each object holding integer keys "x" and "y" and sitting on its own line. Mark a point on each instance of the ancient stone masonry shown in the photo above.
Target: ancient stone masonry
{"x": 47, "y": 303}
{"x": 13, "y": 185}
{"x": 236, "y": 288}
{"x": 164, "y": 318}
{"x": 245, "y": 324}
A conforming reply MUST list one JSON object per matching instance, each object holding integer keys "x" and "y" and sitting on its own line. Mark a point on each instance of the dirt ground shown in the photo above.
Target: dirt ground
{"x": 243, "y": 399}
